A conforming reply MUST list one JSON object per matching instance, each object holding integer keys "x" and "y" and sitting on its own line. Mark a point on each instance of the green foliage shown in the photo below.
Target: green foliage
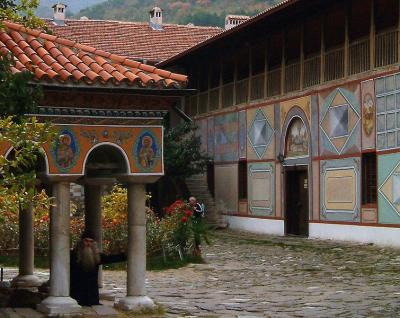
{"x": 177, "y": 11}
{"x": 17, "y": 96}
{"x": 22, "y": 11}
{"x": 182, "y": 154}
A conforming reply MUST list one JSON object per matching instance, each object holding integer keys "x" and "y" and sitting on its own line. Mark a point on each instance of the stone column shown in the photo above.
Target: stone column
{"x": 59, "y": 302}
{"x": 93, "y": 224}
{"x": 25, "y": 278}
{"x": 136, "y": 298}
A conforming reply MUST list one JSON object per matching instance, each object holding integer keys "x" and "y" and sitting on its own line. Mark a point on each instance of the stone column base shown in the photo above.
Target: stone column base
{"x": 26, "y": 281}
{"x": 55, "y": 306}
{"x": 135, "y": 303}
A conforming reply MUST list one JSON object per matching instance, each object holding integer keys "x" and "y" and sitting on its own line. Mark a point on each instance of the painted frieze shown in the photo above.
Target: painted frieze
{"x": 260, "y": 134}
{"x": 340, "y": 190}
{"x": 226, "y": 138}
{"x": 261, "y": 185}
{"x": 389, "y": 188}
{"x": 340, "y": 117}
{"x": 388, "y": 112}
{"x": 141, "y": 147}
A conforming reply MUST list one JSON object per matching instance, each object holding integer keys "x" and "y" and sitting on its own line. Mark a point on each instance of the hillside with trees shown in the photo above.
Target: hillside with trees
{"x": 74, "y": 6}
{"x": 198, "y": 12}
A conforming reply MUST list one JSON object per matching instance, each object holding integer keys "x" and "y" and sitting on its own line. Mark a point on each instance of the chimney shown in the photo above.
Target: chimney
{"x": 234, "y": 20}
{"x": 156, "y": 18}
{"x": 59, "y": 13}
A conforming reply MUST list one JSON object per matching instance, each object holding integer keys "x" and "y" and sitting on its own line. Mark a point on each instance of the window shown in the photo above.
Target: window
{"x": 369, "y": 178}
{"x": 242, "y": 180}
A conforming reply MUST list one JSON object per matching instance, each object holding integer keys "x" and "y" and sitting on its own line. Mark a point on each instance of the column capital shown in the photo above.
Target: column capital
{"x": 49, "y": 179}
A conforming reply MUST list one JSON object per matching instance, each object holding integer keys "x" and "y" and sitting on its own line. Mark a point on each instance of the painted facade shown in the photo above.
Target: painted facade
{"x": 327, "y": 133}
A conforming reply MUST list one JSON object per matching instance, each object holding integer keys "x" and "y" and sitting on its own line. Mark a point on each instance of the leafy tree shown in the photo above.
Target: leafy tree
{"x": 18, "y": 96}
{"x": 183, "y": 157}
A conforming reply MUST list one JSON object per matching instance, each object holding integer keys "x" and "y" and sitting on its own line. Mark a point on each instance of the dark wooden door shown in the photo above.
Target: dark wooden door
{"x": 297, "y": 202}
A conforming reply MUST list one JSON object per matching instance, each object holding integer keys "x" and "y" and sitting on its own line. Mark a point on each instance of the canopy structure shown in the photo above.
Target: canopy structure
{"x": 108, "y": 112}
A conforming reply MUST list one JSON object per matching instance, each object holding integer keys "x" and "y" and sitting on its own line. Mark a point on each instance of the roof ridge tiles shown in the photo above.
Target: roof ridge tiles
{"x": 53, "y": 57}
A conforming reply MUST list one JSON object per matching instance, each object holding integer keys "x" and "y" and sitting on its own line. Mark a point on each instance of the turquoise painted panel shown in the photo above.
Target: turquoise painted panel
{"x": 261, "y": 189}
{"x": 332, "y": 166}
{"x": 389, "y": 189}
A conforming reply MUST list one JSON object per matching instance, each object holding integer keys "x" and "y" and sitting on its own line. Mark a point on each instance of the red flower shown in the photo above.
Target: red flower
{"x": 184, "y": 219}
{"x": 188, "y": 213}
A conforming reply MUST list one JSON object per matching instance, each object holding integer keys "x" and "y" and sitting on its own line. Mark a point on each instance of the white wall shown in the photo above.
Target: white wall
{"x": 262, "y": 226}
{"x": 386, "y": 236}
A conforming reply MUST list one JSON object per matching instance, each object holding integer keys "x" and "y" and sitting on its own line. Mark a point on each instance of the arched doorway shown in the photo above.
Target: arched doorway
{"x": 296, "y": 151}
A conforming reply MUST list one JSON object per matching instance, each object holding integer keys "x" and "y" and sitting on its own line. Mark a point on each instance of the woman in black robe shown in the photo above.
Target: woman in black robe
{"x": 85, "y": 262}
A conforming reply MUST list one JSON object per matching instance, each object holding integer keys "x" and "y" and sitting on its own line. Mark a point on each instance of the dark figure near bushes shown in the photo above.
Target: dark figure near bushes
{"x": 85, "y": 262}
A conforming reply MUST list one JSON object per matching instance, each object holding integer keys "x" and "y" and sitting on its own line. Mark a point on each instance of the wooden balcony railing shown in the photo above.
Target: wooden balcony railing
{"x": 334, "y": 64}
{"x": 257, "y": 87}
{"x": 242, "y": 91}
{"x": 214, "y": 99}
{"x": 227, "y": 95}
{"x": 203, "y": 103}
{"x": 292, "y": 77}
{"x": 386, "y": 48}
{"x": 359, "y": 56}
{"x": 274, "y": 82}
{"x": 312, "y": 71}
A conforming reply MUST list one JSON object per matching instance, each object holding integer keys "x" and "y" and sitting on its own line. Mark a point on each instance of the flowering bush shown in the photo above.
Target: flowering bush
{"x": 175, "y": 234}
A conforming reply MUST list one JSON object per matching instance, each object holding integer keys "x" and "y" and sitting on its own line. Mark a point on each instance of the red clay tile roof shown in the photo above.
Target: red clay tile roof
{"x": 55, "y": 59}
{"x": 137, "y": 40}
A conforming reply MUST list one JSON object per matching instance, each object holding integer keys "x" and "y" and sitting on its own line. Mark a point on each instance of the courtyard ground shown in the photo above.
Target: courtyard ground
{"x": 249, "y": 275}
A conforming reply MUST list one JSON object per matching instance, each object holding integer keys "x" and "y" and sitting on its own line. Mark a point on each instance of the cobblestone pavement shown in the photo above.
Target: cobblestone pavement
{"x": 249, "y": 275}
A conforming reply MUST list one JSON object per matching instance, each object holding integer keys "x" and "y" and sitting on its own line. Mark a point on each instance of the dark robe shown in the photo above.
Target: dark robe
{"x": 84, "y": 285}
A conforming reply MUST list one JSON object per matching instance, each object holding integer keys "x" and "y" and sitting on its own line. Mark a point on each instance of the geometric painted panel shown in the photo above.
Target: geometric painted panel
{"x": 339, "y": 120}
{"x": 340, "y": 189}
{"x": 260, "y": 133}
{"x": 390, "y": 189}
{"x": 261, "y": 185}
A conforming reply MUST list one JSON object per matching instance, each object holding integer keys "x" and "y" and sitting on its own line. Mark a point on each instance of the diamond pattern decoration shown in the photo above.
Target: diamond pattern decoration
{"x": 339, "y": 121}
{"x": 260, "y": 133}
{"x": 391, "y": 189}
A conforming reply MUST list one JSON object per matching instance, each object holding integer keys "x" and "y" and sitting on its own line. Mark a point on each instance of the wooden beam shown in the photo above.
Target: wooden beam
{"x": 372, "y": 36}
{"x": 283, "y": 62}
{"x": 322, "y": 76}
{"x": 346, "y": 39}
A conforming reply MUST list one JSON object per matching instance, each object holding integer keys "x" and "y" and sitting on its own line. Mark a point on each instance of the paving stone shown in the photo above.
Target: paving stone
{"x": 105, "y": 311}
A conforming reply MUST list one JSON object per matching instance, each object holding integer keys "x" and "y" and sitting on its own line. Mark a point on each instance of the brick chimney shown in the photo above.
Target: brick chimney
{"x": 156, "y": 19}
{"x": 234, "y": 20}
{"x": 59, "y": 11}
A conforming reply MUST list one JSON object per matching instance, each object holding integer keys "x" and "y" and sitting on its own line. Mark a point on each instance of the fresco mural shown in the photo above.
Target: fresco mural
{"x": 389, "y": 188}
{"x": 242, "y": 134}
{"x": 141, "y": 145}
{"x": 260, "y": 133}
{"x": 296, "y": 139}
{"x": 146, "y": 152}
{"x": 340, "y": 122}
{"x": 65, "y": 150}
{"x": 340, "y": 186}
{"x": 261, "y": 189}
{"x": 368, "y": 114}
{"x": 388, "y": 112}
{"x": 226, "y": 138}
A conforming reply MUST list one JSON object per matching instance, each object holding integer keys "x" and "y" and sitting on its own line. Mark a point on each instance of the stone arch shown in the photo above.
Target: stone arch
{"x": 106, "y": 156}
{"x": 42, "y": 164}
